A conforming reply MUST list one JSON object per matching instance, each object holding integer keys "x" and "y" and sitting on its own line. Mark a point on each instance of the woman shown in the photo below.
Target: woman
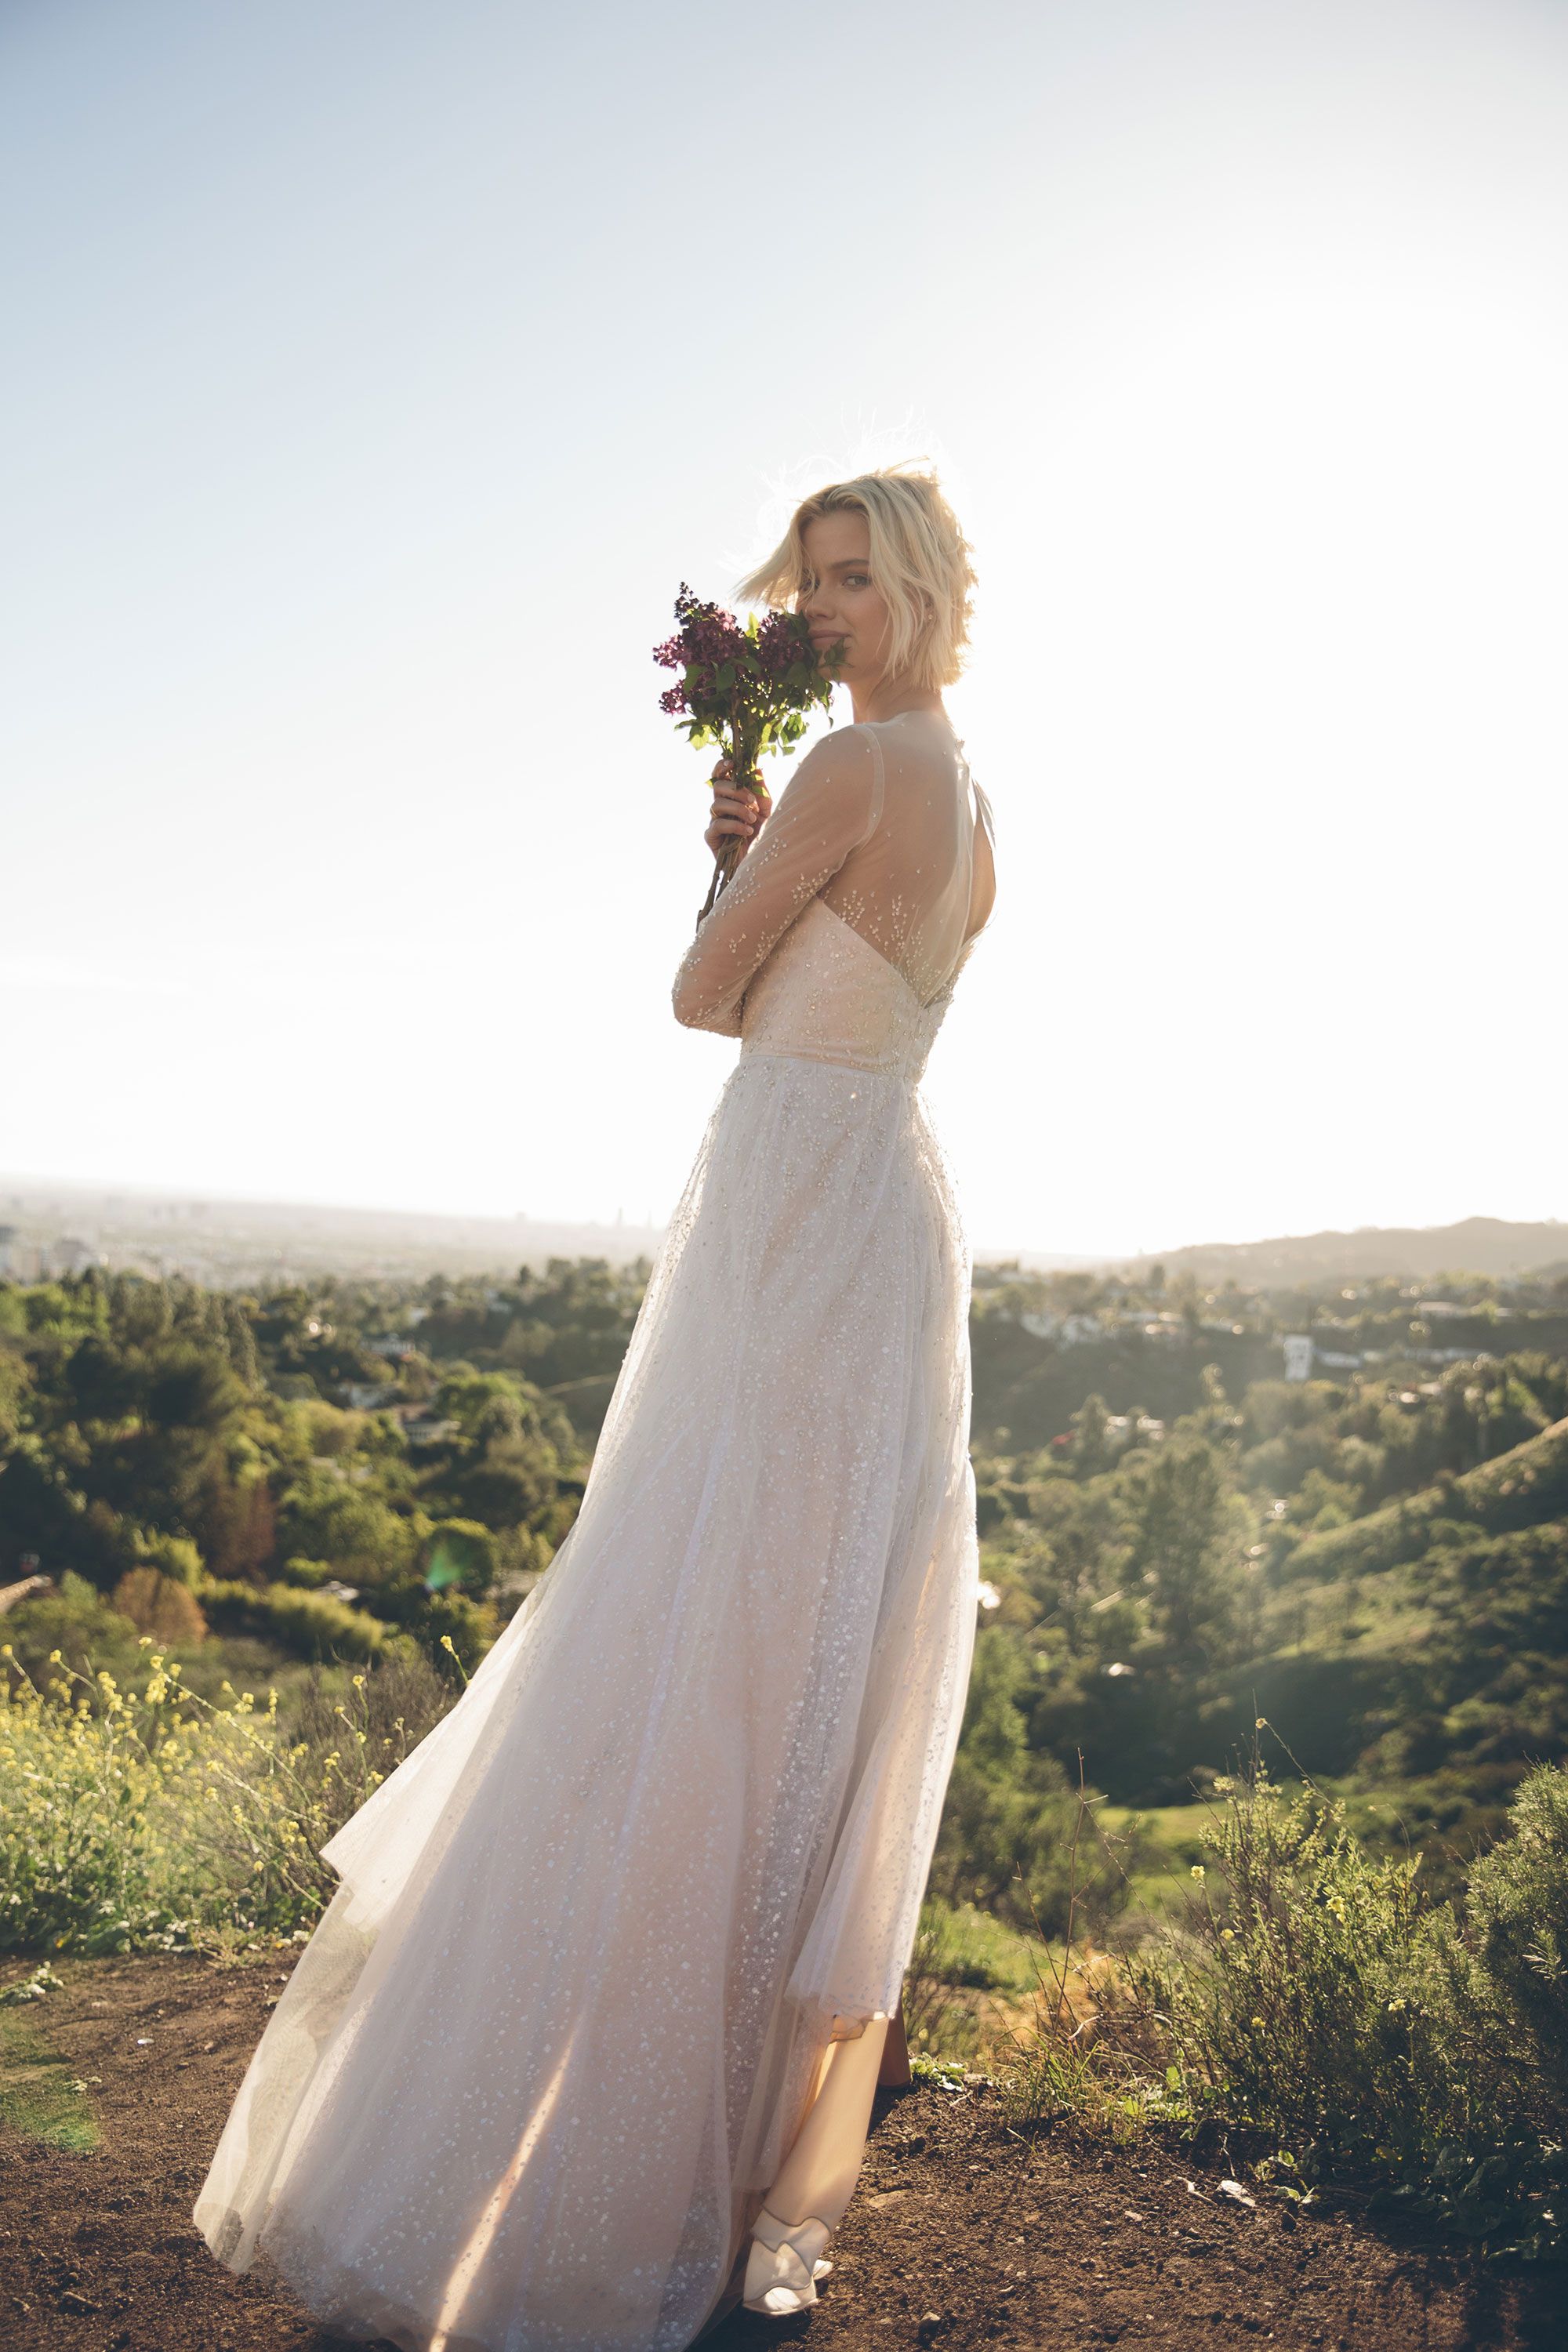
{"x": 583, "y": 2051}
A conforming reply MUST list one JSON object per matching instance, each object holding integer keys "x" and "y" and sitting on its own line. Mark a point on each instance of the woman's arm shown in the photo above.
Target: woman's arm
{"x": 831, "y": 804}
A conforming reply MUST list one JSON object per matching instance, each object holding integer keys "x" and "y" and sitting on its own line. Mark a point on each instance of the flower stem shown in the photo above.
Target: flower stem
{"x": 743, "y": 759}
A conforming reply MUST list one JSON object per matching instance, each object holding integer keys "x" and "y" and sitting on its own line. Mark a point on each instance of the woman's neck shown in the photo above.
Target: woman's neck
{"x": 889, "y": 698}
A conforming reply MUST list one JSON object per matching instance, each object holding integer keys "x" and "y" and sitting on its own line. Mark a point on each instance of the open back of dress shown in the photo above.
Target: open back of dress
{"x": 883, "y": 822}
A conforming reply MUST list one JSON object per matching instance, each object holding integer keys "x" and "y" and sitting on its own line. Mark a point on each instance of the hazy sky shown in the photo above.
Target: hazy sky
{"x": 372, "y": 373}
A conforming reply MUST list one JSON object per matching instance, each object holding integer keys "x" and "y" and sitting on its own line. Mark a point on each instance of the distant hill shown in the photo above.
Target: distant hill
{"x": 53, "y": 1226}
{"x": 1521, "y": 1489}
{"x": 1475, "y": 1245}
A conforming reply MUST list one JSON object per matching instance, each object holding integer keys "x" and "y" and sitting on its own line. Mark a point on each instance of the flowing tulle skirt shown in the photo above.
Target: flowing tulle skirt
{"x": 550, "y": 2042}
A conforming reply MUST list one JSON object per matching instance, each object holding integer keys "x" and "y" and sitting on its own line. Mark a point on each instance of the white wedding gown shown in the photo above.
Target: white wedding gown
{"x": 536, "y": 2071}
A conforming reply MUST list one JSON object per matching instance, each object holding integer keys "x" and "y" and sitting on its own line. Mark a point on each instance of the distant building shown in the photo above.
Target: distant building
{"x": 423, "y": 1428}
{"x": 1298, "y": 1355}
{"x": 70, "y": 1255}
{"x": 1080, "y": 1328}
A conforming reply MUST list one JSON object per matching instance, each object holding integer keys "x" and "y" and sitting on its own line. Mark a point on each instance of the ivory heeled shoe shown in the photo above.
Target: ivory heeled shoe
{"x": 785, "y": 2264}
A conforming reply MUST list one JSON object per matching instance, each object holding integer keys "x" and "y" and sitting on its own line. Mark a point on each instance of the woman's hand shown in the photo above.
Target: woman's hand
{"x": 738, "y": 815}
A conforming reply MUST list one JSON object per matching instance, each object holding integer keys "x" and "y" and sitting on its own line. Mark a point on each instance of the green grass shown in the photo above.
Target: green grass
{"x": 1179, "y": 1828}
{"x": 40, "y": 2099}
{"x": 1160, "y": 1884}
{"x": 1445, "y": 1821}
{"x": 966, "y": 1946}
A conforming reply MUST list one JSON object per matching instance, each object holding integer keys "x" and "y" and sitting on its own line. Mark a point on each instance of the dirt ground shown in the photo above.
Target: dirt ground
{"x": 114, "y": 2090}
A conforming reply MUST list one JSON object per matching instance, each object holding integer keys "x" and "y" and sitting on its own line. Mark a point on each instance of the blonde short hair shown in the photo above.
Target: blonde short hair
{"x": 920, "y": 562}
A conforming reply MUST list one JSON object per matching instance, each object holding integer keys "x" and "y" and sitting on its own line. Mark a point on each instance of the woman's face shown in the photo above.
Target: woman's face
{"x": 840, "y": 598}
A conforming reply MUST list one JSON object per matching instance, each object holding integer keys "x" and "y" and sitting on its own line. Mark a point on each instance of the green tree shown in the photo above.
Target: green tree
{"x": 1006, "y": 1823}
{"x": 367, "y": 1541}
{"x": 1091, "y": 1447}
{"x": 1185, "y": 1547}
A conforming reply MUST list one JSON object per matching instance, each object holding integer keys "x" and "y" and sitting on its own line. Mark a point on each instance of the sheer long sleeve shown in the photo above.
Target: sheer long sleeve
{"x": 831, "y": 806}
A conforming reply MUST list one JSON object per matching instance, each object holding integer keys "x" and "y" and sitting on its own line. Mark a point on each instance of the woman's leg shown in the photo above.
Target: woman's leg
{"x": 895, "y": 2074}
{"x": 818, "y": 2175}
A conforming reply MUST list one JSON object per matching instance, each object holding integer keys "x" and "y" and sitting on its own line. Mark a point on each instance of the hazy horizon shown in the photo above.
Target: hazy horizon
{"x": 18, "y": 1183}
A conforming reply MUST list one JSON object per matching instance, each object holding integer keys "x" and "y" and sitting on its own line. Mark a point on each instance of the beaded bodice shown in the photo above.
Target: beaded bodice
{"x": 842, "y": 935}
{"x": 827, "y": 996}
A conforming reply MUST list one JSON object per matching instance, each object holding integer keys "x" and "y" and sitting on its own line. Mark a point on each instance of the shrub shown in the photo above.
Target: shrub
{"x": 1306, "y": 1993}
{"x": 77, "y": 1622}
{"x": 398, "y": 1701}
{"x": 452, "y": 1630}
{"x": 1320, "y": 2000}
{"x": 1518, "y": 1904}
{"x": 369, "y": 1542}
{"x": 175, "y": 1556}
{"x": 311, "y": 1624}
{"x": 145, "y": 1817}
{"x": 309, "y": 1573}
{"x": 461, "y": 1551}
{"x": 1320, "y": 1993}
{"x": 159, "y": 1605}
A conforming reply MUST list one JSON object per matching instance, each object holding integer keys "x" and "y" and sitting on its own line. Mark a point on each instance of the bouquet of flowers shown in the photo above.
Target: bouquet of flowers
{"x": 748, "y": 687}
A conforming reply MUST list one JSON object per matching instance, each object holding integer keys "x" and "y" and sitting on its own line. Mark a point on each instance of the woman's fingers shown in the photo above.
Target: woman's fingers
{"x": 734, "y": 805}
{"x": 737, "y": 811}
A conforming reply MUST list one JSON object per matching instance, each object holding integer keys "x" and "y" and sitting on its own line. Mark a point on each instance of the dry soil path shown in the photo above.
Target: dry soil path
{"x": 113, "y": 2090}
